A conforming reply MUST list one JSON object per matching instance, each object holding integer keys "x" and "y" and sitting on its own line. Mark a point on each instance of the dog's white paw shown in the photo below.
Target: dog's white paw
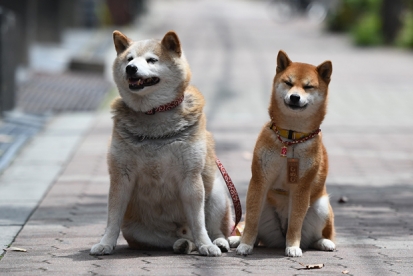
{"x": 183, "y": 246}
{"x": 209, "y": 250}
{"x": 102, "y": 249}
{"x": 222, "y": 244}
{"x": 325, "y": 245}
{"x": 244, "y": 249}
{"x": 234, "y": 241}
{"x": 293, "y": 251}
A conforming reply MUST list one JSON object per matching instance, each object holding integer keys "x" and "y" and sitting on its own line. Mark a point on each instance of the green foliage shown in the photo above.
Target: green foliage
{"x": 350, "y": 14}
{"x": 405, "y": 36}
{"x": 343, "y": 17}
{"x": 367, "y": 31}
{"x": 363, "y": 20}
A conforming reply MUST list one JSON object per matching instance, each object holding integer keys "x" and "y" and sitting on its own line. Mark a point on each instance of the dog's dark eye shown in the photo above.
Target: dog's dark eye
{"x": 288, "y": 83}
{"x": 308, "y": 87}
{"x": 151, "y": 60}
{"x": 130, "y": 58}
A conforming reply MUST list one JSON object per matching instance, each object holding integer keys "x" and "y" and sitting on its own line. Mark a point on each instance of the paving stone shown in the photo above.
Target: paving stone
{"x": 232, "y": 56}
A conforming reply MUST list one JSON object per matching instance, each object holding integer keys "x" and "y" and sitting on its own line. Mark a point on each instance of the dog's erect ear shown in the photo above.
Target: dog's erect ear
{"x": 121, "y": 41}
{"x": 171, "y": 42}
{"x": 324, "y": 70}
{"x": 283, "y": 61}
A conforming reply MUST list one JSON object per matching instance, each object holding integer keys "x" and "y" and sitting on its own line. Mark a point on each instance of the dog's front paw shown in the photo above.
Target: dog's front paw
{"x": 325, "y": 245}
{"x": 234, "y": 241}
{"x": 102, "y": 249}
{"x": 244, "y": 249}
{"x": 293, "y": 251}
{"x": 209, "y": 250}
{"x": 222, "y": 244}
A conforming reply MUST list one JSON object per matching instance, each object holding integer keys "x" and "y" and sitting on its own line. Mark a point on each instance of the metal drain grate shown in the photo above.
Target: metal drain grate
{"x": 45, "y": 93}
{"x": 15, "y": 130}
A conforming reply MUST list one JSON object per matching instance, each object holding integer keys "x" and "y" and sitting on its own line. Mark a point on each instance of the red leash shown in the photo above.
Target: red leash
{"x": 232, "y": 191}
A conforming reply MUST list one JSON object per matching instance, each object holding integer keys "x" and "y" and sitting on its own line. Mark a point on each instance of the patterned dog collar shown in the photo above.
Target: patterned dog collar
{"x": 166, "y": 107}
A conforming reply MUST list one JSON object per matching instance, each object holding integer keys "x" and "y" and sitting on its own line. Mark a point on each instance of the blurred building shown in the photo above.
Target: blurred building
{"x": 26, "y": 21}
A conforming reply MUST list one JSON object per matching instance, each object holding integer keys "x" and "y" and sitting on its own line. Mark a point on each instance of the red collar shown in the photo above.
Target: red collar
{"x": 166, "y": 107}
{"x": 293, "y": 142}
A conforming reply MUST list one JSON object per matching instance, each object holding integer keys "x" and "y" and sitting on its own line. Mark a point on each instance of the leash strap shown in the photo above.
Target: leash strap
{"x": 232, "y": 191}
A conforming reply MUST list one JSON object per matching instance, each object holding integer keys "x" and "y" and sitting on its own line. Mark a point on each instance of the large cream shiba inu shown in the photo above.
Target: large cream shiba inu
{"x": 163, "y": 191}
{"x": 287, "y": 202}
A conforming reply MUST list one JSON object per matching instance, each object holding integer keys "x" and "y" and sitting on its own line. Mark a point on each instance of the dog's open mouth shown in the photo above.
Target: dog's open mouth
{"x": 140, "y": 83}
{"x": 295, "y": 106}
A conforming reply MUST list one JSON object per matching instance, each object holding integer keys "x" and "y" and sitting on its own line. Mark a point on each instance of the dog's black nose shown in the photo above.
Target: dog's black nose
{"x": 131, "y": 69}
{"x": 294, "y": 98}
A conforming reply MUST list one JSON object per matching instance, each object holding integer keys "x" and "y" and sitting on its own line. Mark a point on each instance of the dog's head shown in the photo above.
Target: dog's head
{"x": 300, "y": 90}
{"x": 149, "y": 73}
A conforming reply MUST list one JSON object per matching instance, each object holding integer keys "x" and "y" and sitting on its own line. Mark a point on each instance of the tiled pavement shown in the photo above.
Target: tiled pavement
{"x": 232, "y": 47}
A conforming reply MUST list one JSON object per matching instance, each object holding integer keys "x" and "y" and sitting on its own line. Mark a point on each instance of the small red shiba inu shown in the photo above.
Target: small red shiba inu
{"x": 163, "y": 187}
{"x": 287, "y": 202}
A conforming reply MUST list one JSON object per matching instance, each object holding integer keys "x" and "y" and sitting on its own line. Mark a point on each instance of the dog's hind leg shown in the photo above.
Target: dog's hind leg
{"x": 326, "y": 242}
{"x": 270, "y": 231}
{"x": 234, "y": 241}
{"x": 318, "y": 226}
{"x": 184, "y": 246}
{"x": 138, "y": 234}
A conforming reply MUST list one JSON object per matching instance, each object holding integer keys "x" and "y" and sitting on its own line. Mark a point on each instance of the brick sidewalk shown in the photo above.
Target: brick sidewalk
{"x": 374, "y": 233}
{"x": 232, "y": 56}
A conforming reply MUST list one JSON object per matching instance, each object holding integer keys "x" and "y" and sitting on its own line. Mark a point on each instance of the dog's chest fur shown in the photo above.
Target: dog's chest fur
{"x": 159, "y": 180}
{"x": 275, "y": 168}
{"x": 158, "y": 152}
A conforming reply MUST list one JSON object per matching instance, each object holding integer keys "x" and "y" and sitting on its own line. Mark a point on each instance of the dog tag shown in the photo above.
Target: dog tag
{"x": 292, "y": 173}
{"x": 283, "y": 151}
